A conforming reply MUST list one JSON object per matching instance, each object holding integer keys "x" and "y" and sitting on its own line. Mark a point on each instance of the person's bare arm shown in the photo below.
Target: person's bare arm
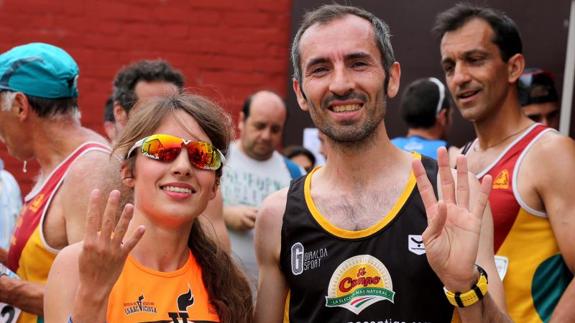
{"x": 564, "y": 310}
{"x": 213, "y": 224}
{"x": 453, "y": 237}
{"x": 272, "y": 287}
{"x": 89, "y": 172}
{"x": 24, "y": 295}
{"x": 62, "y": 285}
{"x": 553, "y": 158}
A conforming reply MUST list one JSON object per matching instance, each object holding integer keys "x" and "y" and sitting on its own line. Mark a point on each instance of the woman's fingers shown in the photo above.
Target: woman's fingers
{"x": 122, "y": 226}
{"x": 134, "y": 238}
{"x": 109, "y": 217}
{"x": 93, "y": 217}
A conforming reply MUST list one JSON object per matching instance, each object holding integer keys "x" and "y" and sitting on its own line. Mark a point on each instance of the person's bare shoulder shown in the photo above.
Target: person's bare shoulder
{"x": 90, "y": 171}
{"x": 551, "y": 158}
{"x": 552, "y": 143}
{"x": 274, "y": 205}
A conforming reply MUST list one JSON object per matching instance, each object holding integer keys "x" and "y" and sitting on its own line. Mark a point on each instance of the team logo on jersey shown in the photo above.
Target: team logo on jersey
{"x": 501, "y": 181}
{"x": 358, "y": 283}
{"x": 415, "y": 244}
{"x": 140, "y": 306}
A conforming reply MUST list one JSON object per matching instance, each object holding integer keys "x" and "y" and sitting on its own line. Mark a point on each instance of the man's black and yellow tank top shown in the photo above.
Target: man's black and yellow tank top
{"x": 379, "y": 274}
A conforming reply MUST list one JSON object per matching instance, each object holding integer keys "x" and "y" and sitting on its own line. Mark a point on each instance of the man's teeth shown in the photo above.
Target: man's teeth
{"x": 467, "y": 94}
{"x": 346, "y": 108}
{"x": 177, "y": 189}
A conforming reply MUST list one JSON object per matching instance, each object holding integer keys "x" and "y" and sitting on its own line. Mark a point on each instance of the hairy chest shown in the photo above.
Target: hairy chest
{"x": 359, "y": 210}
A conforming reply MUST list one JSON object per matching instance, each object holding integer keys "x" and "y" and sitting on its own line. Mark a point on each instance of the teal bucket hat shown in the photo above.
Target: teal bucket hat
{"x": 40, "y": 70}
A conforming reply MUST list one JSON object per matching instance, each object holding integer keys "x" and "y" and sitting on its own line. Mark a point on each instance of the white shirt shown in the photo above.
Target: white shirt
{"x": 247, "y": 181}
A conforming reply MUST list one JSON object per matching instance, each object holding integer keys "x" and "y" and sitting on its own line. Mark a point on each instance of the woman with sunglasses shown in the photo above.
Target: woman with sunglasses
{"x": 174, "y": 149}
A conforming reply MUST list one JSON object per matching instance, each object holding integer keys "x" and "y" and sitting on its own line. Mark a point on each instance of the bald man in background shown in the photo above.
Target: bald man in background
{"x": 254, "y": 169}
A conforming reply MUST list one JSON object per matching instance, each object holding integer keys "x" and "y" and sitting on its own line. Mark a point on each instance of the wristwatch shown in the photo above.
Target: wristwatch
{"x": 472, "y": 296}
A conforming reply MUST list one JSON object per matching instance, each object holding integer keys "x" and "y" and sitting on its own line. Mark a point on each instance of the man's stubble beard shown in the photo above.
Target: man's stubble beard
{"x": 353, "y": 137}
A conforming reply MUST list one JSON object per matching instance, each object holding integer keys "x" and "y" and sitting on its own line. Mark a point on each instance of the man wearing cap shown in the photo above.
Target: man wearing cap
{"x": 39, "y": 120}
{"x": 425, "y": 109}
{"x": 538, "y": 97}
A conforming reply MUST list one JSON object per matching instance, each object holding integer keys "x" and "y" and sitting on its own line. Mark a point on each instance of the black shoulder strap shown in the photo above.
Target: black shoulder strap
{"x": 466, "y": 147}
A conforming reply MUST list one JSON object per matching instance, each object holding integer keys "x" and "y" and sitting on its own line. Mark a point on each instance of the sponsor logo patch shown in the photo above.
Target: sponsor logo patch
{"x": 358, "y": 283}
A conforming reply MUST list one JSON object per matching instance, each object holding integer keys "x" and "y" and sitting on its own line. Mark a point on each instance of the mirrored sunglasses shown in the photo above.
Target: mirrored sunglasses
{"x": 166, "y": 148}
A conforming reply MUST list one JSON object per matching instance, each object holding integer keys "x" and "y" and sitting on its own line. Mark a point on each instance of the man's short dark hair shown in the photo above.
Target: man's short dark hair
{"x": 109, "y": 110}
{"x": 420, "y": 103}
{"x": 145, "y": 70}
{"x": 328, "y": 13}
{"x": 294, "y": 150}
{"x": 506, "y": 34}
{"x": 536, "y": 86}
{"x": 247, "y": 105}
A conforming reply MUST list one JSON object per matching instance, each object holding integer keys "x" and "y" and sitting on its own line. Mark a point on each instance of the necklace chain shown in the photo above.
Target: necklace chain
{"x": 475, "y": 147}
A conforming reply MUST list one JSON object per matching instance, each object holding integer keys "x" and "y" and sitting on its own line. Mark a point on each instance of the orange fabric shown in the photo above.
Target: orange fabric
{"x": 145, "y": 295}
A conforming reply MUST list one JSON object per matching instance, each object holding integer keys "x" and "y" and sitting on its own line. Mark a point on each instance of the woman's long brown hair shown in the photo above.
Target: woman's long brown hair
{"x": 226, "y": 285}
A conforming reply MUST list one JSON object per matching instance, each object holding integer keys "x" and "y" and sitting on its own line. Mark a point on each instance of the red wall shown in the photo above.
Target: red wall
{"x": 227, "y": 49}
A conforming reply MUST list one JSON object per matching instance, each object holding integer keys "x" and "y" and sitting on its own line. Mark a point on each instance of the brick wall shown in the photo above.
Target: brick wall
{"x": 227, "y": 49}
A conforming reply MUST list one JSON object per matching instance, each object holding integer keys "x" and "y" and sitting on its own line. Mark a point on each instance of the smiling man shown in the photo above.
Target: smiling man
{"x": 531, "y": 165}
{"x": 350, "y": 242}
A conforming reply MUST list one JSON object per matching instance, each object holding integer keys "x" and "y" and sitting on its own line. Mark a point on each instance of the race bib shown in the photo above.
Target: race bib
{"x": 9, "y": 313}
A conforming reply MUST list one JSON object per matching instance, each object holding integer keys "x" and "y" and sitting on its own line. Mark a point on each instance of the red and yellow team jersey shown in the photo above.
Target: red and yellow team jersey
{"x": 527, "y": 254}
{"x": 145, "y": 295}
{"x": 29, "y": 255}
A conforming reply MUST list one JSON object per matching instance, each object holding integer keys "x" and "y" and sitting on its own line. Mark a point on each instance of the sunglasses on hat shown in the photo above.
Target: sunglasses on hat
{"x": 166, "y": 148}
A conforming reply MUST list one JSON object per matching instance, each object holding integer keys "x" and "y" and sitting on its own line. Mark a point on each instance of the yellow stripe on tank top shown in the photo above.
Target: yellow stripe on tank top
{"x": 365, "y": 232}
